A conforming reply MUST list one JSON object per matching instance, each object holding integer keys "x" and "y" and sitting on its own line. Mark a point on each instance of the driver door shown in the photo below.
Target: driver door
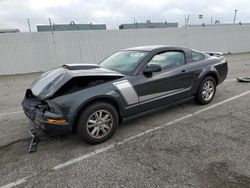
{"x": 172, "y": 83}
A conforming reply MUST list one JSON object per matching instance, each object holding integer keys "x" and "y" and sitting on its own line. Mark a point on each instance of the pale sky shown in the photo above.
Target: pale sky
{"x": 13, "y": 13}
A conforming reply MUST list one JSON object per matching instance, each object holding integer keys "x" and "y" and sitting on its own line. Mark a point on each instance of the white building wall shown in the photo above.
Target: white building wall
{"x": 33, "y": 52}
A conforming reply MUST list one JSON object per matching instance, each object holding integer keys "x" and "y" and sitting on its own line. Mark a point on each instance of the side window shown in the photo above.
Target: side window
{"x": 196, "y": 56}
{"x": 168, "y": 59}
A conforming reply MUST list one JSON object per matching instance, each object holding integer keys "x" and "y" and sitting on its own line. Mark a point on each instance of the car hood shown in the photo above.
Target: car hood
{"x": 50, "y": 82}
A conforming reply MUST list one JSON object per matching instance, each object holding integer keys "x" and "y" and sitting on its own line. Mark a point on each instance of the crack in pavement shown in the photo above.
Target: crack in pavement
{"x": 2, "y": 147}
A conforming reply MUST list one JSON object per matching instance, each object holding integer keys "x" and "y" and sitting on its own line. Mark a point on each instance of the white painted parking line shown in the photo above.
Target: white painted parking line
{"x": 230, "y": 80}
{"x": 10, "y": 113}
{"x": 106, "y": 148}
{"x": 18, "y": 182}
{"x": 111, "y": 146}
{"x": 88, "y": 155}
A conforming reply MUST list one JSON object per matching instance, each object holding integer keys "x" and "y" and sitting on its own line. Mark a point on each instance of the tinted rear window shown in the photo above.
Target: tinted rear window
{"x": 196, "y": 56}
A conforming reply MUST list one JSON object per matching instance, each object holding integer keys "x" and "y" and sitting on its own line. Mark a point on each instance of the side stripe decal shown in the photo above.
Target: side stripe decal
{"x": 127, "y": 91}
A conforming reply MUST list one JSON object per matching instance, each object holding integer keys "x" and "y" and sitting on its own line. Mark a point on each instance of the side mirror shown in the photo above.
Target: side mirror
{"x": 152, "y": 68}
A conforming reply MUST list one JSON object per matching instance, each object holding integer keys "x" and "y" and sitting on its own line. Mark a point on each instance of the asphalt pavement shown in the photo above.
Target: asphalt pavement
{"x": 184, "y": 146}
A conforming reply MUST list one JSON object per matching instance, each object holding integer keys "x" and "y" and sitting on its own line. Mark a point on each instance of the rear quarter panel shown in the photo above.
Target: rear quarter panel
{"x": 216, "y": 66}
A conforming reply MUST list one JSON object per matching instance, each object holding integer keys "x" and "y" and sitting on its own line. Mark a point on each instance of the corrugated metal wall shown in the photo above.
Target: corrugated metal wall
{"x": 34, "y": 52}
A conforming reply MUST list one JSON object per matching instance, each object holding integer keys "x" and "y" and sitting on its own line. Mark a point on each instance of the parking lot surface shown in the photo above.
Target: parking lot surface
{"x": 184, "y": 146}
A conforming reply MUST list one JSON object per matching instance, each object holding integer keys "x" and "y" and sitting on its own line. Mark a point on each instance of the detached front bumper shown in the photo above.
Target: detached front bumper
{"x": 51, "y": 123}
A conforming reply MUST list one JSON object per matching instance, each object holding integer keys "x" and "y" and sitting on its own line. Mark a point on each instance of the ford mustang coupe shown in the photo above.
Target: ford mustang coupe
{"x": 92, "y": 99}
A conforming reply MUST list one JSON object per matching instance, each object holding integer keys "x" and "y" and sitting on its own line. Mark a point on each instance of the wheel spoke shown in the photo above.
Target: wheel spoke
{"x": 96, "y": 116}
{"x": 92, "y": 121}
{"x": 98, "y": 131}
{"x": 94, "y": 131}
{"x": 106, "y": 117}
{"x": 92, "y": 125}
{"x": 103, "y": 130}
{"x": 106, "y": 126}
{"x": 207, "y": 95}
{"x": 100, "y": 114}
{"x": 208, "y": 84}
{"x": 106, "y": 121}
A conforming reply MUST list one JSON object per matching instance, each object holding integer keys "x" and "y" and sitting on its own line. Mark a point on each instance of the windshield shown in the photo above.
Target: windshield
{"x": 124, "y": 62}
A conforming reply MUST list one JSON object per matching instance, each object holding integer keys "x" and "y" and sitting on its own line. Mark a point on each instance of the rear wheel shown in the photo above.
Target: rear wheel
{"x": 97, "y": 123}
{"x": 206, "y": 91}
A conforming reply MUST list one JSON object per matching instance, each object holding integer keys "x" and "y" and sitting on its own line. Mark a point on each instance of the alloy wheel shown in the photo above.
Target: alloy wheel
{"x": 208, "y": 90}
{"x": 99, "y": 124}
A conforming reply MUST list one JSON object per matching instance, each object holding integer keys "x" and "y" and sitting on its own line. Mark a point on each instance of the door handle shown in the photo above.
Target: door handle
{"x": 183, "y": 71}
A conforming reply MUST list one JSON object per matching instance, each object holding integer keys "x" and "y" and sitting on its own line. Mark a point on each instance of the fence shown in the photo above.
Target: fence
{"x": 33, "y": 52}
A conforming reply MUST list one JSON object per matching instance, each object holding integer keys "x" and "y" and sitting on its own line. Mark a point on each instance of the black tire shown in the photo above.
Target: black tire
{"x": 83, "y": 130}
{"x": 200, "y": 98}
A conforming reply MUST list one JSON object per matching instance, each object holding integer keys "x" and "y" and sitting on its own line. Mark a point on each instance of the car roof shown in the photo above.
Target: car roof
{"x": 153, "y": 47}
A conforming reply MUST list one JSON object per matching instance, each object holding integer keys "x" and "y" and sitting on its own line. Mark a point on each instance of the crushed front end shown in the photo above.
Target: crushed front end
{"x": 53, "y": 99}
{"x": 45, "y": 116}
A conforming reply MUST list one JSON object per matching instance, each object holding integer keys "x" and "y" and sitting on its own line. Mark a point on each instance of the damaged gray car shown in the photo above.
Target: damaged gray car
{"x": 92, "y": 99}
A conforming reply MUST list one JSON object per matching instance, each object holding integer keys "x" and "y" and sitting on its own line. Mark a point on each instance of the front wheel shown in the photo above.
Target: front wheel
{"x": 97, "y": 123}
{"x": 206, "y": 91}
